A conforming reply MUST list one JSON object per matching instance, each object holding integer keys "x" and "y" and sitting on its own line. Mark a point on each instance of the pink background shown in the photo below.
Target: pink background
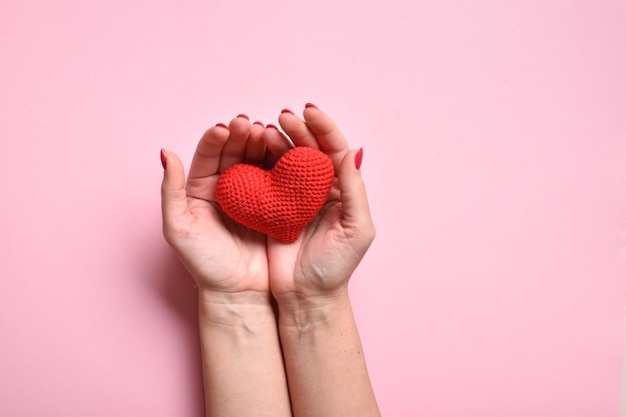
{"x": 495, "y": 157}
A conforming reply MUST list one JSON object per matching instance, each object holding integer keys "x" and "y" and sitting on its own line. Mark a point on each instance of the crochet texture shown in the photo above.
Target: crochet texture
{"x": 281, "y": 201}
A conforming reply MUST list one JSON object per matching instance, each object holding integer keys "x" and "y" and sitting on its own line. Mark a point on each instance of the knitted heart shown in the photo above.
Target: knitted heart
{"x": 281, "y": 201}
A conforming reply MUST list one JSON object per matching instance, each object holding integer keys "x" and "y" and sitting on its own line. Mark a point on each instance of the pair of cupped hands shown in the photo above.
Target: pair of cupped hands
{"x": 225, "y": 257}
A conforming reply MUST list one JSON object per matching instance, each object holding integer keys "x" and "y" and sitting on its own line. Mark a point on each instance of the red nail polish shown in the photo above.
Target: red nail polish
{"x": 258, "y": 123}
{"x": 245, "y": 116}
{"x": 163, "y": 158}
{"x": 271, "y": 126}
{"x": 222, "y": 125}
{"x": 358, "y": 158}
{"x": 287, "y": 111}
{"x": 311, "y": 105}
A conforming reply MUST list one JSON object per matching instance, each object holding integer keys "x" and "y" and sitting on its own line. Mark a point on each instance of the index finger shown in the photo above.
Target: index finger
{"x": 206, "y": 159}
{"x": 328, "y": 135}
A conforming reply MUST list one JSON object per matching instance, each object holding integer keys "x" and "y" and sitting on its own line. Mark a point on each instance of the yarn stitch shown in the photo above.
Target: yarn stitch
{"x": 279, "y": 202}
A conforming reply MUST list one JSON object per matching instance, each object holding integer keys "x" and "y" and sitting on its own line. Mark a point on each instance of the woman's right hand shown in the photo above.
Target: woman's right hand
{"x": 319, "y": 264}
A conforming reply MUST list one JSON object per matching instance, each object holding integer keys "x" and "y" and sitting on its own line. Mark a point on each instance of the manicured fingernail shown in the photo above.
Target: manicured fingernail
{"x": 245, "y": 116}
{"x": 358, "y": 158}
{"x": 222, "y": 125}
{"x": 258, "y": 123}
{"x": 311, "y": 105}
{"x": 163, "y": 158}
{"x": 287, "y": 111}
{"x": 271, "y": 126}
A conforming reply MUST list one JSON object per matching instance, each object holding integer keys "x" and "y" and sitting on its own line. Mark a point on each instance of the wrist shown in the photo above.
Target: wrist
{"x": 301, "y": 313}
{"x": 245, "y": 309}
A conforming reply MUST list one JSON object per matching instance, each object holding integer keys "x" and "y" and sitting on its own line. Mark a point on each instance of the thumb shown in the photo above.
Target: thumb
{"x": 173, "y": 194}
{"x": 356, "y": 218}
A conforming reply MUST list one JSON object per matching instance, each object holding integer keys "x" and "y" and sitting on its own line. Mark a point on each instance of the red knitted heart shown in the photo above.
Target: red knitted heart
{"x": 281, "y": 201}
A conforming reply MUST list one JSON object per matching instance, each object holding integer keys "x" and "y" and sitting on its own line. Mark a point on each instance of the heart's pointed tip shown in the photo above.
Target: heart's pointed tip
{"x": 286, "y": 241}
{"x": 287, "y": 236}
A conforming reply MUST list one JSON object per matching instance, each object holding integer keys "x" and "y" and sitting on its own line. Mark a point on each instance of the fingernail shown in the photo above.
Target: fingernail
{"x": 258, "y": 123}
{"x": 287, "y": 111}
{"x": 310, "y": 105}
{"x": 163, "y": 158}
{"x": 245, "y": 116}
{"x": 222, "y": 125}
{"x": 271, "y": 126}
{"x": 358, "y": 158}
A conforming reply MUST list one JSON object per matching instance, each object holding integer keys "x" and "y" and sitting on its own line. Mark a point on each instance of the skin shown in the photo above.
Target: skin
{"x": 309, "y": 279}
{"x": 249, "y": 354}
{"x": 242, "y": 359}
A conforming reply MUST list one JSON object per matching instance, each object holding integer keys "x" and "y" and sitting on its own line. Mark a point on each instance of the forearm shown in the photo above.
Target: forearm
{"x": 242, "y": 362}
{"x": 324, "y": 359}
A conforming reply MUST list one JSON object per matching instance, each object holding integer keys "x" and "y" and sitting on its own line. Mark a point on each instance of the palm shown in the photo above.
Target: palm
{"x": 317, "y": 263}
{"x": 224, "y": 255}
